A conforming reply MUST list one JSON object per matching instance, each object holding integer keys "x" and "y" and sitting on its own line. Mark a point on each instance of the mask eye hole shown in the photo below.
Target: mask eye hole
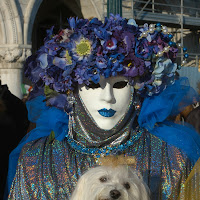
{"x": 93, "y": 85}
{"x": 127, "y": 185}
{"x": 120, "y": 84}
{"x": 103, "y": 179}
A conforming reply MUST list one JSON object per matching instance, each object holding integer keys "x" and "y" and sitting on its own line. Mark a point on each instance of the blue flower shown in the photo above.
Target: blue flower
{"x": 118, "y": 56}
{"x": 164, "y": 67}
{"x": 117, "y": 67}
{"x": 72, "y": 22}
{"x": 95, "y": 22}
{"x": 94, "y": 74}
{"x": 68, "y": 70}
{"x": 101, "y": 62}
{"x": 60, "y": 62}
{"x": 132, "y": 22}
{"x": 82, "y": 48}
{"x": 49, "y": 33}
{"x": 42, "y": 59}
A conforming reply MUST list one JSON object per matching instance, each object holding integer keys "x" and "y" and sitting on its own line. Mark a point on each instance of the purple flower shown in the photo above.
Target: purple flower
{"x": 143, "y": 49}
{"x": 128, "y": 41}
{"x": 59, "y": 101}
{"x": 136, "y": 67}
{"x": 32, "y": 69}
{"x": 68, "y": 70}
{"x": 81, "y": 75}
{"x": 47, "y": 79}
{"x": 147, "y": 64}
{"x": 133, "y": 72}
{"x": 68, "y": 83}
{"x": 111, "y": 44}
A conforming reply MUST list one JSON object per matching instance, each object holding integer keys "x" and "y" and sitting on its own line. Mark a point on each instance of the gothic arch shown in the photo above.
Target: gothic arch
{"x": 29, "y": 19}
{"x": 49, "y": 13}
{"x": 10, "y": 23}
{"x": 2, "y": 29}
{"x": 32, "y": 10}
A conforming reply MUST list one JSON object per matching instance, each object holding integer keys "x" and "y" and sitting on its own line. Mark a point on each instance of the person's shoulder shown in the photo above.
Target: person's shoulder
{"x": 33, "y": 148}
{"x": 168, "y": 149}
{"x": 40, "y": 147}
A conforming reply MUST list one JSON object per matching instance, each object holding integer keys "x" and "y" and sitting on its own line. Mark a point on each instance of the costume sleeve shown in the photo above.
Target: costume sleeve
{"x": 28, "y": 172}
{"x": 17, "y": 189}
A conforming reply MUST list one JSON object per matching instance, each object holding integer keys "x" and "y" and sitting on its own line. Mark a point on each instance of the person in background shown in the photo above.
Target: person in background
{"x": 13, "y": 127}
{"x": 193, "y": 117}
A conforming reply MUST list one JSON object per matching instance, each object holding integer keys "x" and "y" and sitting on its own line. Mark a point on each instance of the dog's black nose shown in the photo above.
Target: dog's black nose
{"x": 115, "y": 194}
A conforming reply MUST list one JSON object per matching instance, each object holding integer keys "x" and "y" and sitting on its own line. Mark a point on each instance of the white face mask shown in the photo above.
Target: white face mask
{"x": 107, "y": 101}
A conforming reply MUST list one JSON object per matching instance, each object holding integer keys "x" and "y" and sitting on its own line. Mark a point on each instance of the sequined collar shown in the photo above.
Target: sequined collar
{"x": 86, "y": 132}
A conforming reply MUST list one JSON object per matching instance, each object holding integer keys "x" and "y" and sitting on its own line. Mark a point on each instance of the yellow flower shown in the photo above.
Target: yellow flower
{"x": 83, "y": 48}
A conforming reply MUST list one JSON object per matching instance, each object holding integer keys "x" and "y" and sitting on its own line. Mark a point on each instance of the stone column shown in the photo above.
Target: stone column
{"x": 11, "y": 63}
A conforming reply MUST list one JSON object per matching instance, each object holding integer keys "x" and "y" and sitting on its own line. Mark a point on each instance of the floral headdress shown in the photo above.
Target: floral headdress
{"x": 90, "y": 49}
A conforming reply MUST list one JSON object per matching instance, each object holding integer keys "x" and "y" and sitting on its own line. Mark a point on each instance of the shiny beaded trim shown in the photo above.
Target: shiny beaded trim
{"x": 160, "y": 28}
{"x": 107, "y": 150}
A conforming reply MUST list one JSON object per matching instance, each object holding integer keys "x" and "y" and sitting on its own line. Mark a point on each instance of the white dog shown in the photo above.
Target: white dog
{"x": 109, "y": 183}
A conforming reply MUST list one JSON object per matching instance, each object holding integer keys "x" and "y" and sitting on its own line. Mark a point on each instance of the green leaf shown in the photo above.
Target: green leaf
{"x": 51, "y": 136}
{"x": 49, "y": 92}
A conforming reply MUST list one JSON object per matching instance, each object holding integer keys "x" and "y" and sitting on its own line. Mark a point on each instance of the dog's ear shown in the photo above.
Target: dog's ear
{"x": 144, "y": 191}
{"x": 79, "y": 190}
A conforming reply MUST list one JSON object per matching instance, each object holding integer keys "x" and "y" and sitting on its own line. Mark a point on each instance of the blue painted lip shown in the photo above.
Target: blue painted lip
{"x": 106, "y": 113}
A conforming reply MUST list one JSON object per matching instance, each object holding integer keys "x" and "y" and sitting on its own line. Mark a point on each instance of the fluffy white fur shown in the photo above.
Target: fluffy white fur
{"x": 109, "y": 183}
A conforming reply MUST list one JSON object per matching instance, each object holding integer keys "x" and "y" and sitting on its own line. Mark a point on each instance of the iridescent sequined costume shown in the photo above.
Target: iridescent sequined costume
{"x": 50, "y": 170}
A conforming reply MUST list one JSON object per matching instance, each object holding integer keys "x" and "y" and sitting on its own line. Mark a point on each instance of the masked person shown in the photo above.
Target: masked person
{"x": 104, "y": 89}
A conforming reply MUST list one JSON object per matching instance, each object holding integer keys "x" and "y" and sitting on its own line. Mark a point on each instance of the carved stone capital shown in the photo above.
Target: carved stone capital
{"x": 14, "y": 54}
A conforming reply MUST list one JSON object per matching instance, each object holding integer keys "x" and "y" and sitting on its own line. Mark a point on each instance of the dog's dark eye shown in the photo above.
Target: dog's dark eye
{"x": 103, "y": 179}
{"x": 127, "y": 185}
{"x": 93, "y": 85}
{"x": 120, "y": 84}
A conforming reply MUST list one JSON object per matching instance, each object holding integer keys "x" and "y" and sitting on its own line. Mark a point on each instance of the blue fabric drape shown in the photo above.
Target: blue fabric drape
{"x": 155, "y": 111}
